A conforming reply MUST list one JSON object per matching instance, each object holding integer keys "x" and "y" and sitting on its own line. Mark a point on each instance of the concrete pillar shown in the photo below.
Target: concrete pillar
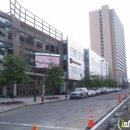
{"x": 6, "y": 33}
{"x": 63, "y": 87}
{"x": 4, "y": 92}
{"x": 35, "y": 42}
{"x": 5, "y": 51}
{"x": 15, "y": 90}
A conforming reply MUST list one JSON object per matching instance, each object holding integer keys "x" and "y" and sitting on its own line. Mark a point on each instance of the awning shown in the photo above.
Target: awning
{"x": 124, "y": 80}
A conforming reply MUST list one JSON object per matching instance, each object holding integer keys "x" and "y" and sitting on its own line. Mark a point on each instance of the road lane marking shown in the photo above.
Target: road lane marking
{"x": 52, "y": 127}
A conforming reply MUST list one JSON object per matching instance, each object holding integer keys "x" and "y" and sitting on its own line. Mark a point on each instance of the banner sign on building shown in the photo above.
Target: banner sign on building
{"x": 43, "y": 60}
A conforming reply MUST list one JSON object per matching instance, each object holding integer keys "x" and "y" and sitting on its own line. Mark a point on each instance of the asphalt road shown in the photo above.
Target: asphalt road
{"x": 61, "y": 115}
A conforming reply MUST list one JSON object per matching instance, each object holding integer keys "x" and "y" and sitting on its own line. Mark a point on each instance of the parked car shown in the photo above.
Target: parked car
{"x": 91, "y": 93}
{"x": 107, "y": 90}
{"x": 103, "y": 90}
{"x": 94, "y": 93}
{"x": 79, "y": 93}
{"x": 98, "y": 92}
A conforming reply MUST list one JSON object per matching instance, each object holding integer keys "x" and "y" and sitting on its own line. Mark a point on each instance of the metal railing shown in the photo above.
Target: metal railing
{"x": 22, "y": 14}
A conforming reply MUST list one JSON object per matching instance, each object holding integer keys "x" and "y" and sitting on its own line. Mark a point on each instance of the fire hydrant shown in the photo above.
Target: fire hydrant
{"x": 42, "y": 98}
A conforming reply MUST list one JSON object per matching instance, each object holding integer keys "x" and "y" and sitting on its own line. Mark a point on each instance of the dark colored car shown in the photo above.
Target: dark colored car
{"x": 103, "y": 90}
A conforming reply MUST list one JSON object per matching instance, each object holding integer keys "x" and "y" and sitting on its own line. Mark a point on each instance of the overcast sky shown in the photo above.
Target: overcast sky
{"x": 71, "y": 17}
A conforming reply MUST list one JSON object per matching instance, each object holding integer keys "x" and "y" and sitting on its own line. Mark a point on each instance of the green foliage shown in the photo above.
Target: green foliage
{"x": 97, "y": 81}
{"x": 109, "y": 82}
{"x": 90, "y": 81}
{"x": 53, "y": 77}
{"x": 14, "y": 71}
{"x": 87, "y": 82}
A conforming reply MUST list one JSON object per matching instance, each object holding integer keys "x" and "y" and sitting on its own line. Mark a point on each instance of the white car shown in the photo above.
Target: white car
{"x": 91, "y": 93}
{"x": 79, "y": 93}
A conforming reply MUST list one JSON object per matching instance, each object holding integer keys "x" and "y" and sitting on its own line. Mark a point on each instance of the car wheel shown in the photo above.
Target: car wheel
{"x": 81, "y": 96}
{"x": 86, "y": 95}
{"x": 71, "y": 98}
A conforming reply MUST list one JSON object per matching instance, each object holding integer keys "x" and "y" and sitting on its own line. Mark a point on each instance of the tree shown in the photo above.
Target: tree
{"x": 97, "y": 81}
{"x": 86, "y": 81}
{"x": 14, "y": 72}
{"x": 53, "y": 78}
{"x": 109, "y": 82}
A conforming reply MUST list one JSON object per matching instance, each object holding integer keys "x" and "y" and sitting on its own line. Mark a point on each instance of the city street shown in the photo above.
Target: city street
{"x": 61, "y": 115}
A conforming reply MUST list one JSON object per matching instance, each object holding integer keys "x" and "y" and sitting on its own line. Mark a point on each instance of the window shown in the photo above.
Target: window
{"x": 65, "y": 41}
{"x": 57, "y": 52}
{"x": 64, "y": 57}
{"x": 5, "y": 28}
{"x": 75, "y": 53}
{"x": 2, "y": 32}
{"x": 29, "y": 39}
{"x": 102, "y": 48}
{"x": 30, "y": 56}
{"x": 75, "y": 70}
{"x": 71, "y": 51}
{"x": 72, "y": 69}
{"x": 65, "y": 67}
{"x": 52, "y": 48}
{"x": 5, "y": 49}
{"x": 64, "y": 51}
{"x": 102, "y": 51}
{"x": 81, "y": 57}
{"x": 81, "y": 72}
{"x": 38, "y": 43}
{"x": 10, "y": 50}
{"x": 78, "y": 55}
{"x": 21, "y": 36}
{"x": 9, "y": 33}
{"x": 47, "y": 47}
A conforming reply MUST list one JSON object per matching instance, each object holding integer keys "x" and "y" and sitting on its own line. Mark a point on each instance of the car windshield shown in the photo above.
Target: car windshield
{"x": 78, "y": 89}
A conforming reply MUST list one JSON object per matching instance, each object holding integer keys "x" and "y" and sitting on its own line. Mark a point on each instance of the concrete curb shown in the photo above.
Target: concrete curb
{"x": 104, "y": 122}
{"x": 27, "y": 105}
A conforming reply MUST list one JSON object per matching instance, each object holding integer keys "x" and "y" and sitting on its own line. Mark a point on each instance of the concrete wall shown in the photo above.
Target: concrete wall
{"x": 78, "y": 48}
{"x": 97, "y": 64}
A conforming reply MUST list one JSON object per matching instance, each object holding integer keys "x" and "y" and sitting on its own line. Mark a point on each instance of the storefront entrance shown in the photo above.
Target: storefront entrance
{"x": 28, "y": 90}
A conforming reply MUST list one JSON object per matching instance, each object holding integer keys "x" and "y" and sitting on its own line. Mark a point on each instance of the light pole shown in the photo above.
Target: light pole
{"x": 101, "y": 72}
{"x": 35, "y": 84}
{"x": 81, "y": 80}
{"x": 117, "y": 79}
{"x": 101, "y": 68}
{"x": 66, "y": 91}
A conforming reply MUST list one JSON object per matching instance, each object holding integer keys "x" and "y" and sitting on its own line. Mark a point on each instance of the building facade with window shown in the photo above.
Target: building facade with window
{"x": 73, "y": 63}
{"x": 95, "y": 64}
{"x": 107, "y": 40}
{"x": 22, "y": 32}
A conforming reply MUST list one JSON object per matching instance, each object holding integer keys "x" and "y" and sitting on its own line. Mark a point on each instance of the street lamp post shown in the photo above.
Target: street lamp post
{"x": 66, "y": 92}
{"x": 101, "y": 72}
{"x": 101, "y": 68}
{"x": 118, "y": 78}
{"x": 35, "y": 84}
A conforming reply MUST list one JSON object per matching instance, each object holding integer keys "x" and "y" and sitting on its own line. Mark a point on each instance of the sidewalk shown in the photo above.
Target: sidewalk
{"x": 28, "y": 101}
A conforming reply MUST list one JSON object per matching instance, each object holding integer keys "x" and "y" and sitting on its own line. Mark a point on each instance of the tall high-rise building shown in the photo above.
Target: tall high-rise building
{"x": 107, "y": 40}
